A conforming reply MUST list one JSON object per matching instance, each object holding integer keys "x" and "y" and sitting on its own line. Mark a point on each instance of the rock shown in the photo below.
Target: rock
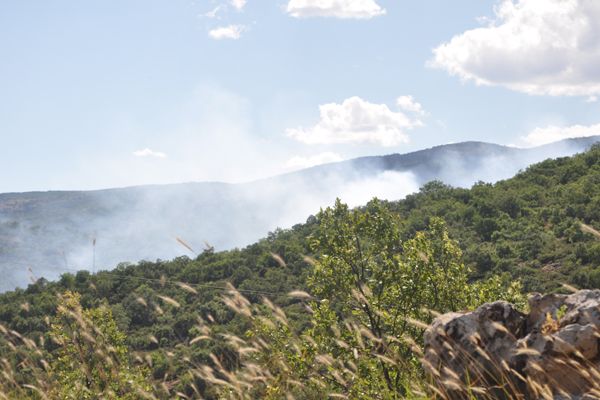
{"x": 540, "y": 305}
{"x": 552, "y": 352}
{"x": 575, "y": 337}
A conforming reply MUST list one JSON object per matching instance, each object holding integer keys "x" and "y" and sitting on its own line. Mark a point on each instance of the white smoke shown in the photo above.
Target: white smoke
{"x": 52, "y": 232}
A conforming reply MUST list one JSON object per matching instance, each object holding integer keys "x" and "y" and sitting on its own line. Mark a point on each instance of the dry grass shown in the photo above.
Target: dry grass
{"x": 277, "y": 363}
{"x": 588, "y": 229}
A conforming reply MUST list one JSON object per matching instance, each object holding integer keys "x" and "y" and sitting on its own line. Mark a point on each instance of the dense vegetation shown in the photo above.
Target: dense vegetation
{"x": 534, "y": 227}
{"x": 528, "y": 226}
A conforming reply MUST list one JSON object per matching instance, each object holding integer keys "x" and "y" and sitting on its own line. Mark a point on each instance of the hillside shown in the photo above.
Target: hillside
{"x": 527, "y": 227}
{"x": 52, "y": 232}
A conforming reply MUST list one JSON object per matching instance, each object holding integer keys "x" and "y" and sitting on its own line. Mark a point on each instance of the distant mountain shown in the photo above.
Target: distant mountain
{"x": 48, "y": 233}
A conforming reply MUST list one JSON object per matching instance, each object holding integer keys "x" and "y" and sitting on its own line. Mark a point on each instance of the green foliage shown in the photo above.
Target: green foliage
{"x": 368, "y": 275}
{"x": 528, "y": 226}
{"x": 526, "y": 229}
{"x": 91, "y": 361}
{"x": 374, "y": 294}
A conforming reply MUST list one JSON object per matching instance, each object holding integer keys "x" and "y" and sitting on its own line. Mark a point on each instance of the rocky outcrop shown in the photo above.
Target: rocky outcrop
{"x": 497, "y": 351}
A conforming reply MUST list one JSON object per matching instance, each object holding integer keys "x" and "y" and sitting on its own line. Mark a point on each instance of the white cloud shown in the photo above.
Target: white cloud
{"x": 238, "y": 4}
{"x": 357, "y": 121}
{"x": 357, "y": 9}
{"x": 227, "y": 32}
{"x": 299, "y": 162}
{"x": 552, "y": 133}
{"x": 542, "y": 47}
{"x": 212, "y": 13}
{"x": 149, "y": 153}
{"x": 408, "y": 103}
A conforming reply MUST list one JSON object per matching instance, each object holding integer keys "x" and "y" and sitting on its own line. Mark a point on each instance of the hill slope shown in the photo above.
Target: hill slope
{"x": 52, "y": 232}
{"x": 527, "y": 227}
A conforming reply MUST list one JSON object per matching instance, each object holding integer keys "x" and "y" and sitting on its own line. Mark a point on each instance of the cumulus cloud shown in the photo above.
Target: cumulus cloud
{"x": 227, "y": 32}
{"x": 299, "y": 162}
{"x": 541, "y": 47}
{"x": 356, "y": 9}
{"x": 408, "y": 103}
{"x": 357, "y": 121}
{"x": 238, "y": 4}
{"x": 149, "y": 153}
{"x": 552, "y": 133}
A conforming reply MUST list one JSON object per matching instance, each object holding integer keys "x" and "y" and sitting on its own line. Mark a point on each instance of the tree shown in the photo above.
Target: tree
{"x": 384, "y": 285}
{"x": 91, "y": 361}
{"x": 372, "y": 296}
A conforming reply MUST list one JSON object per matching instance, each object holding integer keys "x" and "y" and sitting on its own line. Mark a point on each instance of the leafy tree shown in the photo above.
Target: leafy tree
{"x": 529, "y": 228}
{"x": 374, "y": 294}
{"x": 91, "y": 361}
{"x": 384, "y": 284}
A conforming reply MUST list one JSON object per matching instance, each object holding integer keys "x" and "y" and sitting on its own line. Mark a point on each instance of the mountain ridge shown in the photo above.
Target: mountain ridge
{"x": 586, "y": 141}
{"x": 53, "y": 231}
{"x": 533, "y": 232}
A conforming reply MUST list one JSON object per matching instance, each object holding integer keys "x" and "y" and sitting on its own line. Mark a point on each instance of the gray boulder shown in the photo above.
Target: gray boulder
{"x": 499, "y": 352}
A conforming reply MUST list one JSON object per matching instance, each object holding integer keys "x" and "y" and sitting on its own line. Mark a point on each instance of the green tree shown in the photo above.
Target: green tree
{"x": 386, "y": 285}
{"x": 372, "y": 296}
{"x": 91, "y": 361}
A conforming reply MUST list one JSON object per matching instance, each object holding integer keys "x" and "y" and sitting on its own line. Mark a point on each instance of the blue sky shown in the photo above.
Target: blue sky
{"x": 107, "y": 93}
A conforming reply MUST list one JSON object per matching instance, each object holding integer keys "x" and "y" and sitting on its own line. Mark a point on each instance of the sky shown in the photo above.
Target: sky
{"x": 110, "y": 93}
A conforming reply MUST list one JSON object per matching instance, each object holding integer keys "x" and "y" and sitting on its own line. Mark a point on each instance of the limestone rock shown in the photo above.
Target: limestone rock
{"x": 555, "y": 346}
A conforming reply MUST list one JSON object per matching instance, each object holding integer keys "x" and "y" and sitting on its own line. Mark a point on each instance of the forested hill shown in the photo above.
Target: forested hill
{"x": 52, "y": 232}
{"x": 536, "y": 226}
{"x": 527, "y": 227}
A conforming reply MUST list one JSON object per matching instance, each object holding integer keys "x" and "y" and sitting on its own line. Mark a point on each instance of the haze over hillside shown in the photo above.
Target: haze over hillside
{"x": 53, "y": 232}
